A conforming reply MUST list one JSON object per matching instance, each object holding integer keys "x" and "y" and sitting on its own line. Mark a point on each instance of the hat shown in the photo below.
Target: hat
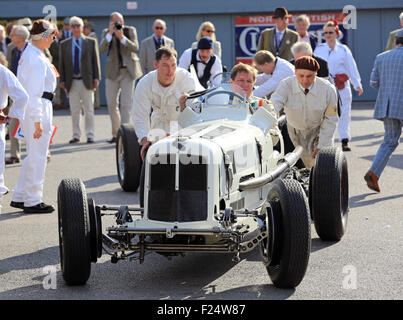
{"x": 66, "y": 20}
{"x": 281, "y": 12}
{"x": 399, "y": 34}
{"x": 205, "y": 43}
{"x": 307, "y": 63}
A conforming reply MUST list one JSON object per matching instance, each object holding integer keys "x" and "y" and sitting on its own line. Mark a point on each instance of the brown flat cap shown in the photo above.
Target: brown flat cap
{"x": 281, "y": 12}
{"x": 307, "y": 63}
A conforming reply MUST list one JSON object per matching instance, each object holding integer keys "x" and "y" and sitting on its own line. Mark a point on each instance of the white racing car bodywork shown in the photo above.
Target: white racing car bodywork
{"x": 221, "y": 184}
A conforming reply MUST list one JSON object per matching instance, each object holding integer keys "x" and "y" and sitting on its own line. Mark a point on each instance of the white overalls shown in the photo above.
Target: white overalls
{"x": 37, "y": 75}
{"x": 156, "y": 107}
{"x": 340, "y": 60}
{"x": 9, "y": 87}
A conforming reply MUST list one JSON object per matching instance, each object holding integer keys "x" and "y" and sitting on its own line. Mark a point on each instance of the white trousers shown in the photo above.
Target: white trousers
{"x": 29, "y": 188}
{"x": 3, "y": 188}
{"x": 81, "y": 98}
{"x": 345, "y": 117}
{"x": 123, "y": 85}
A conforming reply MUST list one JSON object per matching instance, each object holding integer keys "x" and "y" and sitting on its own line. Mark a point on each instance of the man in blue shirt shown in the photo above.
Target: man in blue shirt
{"x": 79, "y": 75}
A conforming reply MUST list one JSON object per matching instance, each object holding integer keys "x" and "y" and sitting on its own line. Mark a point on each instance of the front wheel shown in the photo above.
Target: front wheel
{"x": 287, "y": 247}
{"x": 74, "y": 232}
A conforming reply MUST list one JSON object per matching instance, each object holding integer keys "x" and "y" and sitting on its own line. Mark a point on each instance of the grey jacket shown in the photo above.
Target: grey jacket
{"x": 147, "y": 52}
{"x": 128, "y": 52}
{"x": 387, "y": 77}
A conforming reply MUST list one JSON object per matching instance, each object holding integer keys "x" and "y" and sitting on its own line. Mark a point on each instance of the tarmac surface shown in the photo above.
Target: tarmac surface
{"x": 366, "y": 264}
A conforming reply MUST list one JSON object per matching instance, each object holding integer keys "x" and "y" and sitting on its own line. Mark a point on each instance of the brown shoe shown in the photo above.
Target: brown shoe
{"x": 12, "y": 160}
{"x": 372, "y": 181}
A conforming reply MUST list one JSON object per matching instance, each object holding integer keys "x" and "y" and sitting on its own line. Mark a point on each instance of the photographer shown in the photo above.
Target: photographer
{"x": 123, "y": 67}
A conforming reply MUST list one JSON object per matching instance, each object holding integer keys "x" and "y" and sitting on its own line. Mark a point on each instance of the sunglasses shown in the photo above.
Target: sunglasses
{"x": 329, "y": 32}
{"x": 159, "y": 28}
{"x": 209, "y": 31}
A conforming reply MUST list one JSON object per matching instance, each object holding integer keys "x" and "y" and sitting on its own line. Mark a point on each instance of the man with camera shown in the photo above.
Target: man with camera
{"x": 123, "y": 67}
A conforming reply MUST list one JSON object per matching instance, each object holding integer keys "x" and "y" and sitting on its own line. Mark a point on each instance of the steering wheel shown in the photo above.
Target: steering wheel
{"x": 231, "y": 95}
{"x": 198, "y": 93}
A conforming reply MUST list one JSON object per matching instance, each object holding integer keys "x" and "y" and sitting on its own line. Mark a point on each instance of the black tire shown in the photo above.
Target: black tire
{"x": 128, "y": 159}
{"x": 74, "y": 232}
{"x": 96, "y": 231}
{"x": 329, "y": 196}
{"x": 289, "y": 240}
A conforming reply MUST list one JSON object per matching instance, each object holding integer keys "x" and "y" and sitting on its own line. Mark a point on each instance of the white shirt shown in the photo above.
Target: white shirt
{"x": 278, "y": 38}
{"x": 161, "y": 102}
{"x": 318, "y": 108}
{"x": 11, "y": 87}
{"x": 267, "y": 83}
{"x": 186, "y": 59}
{"x": 305, "y": 38}
{"x": 37, "y": 75}
{"x": 340, "y": 60}
{"x": 109, "y": 38}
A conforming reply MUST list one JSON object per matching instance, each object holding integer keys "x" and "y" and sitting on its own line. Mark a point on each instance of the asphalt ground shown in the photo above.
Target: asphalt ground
{"x": 366, "y": 264}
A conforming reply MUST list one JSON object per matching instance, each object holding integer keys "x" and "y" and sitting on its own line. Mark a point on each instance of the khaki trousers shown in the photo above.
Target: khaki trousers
{"x": 308, "y": 140}
{"x": 81, "y": 98}
{"x": 123, "y": 85}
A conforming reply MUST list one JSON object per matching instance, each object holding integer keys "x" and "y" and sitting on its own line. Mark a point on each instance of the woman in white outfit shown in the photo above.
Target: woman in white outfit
{"x": 38, "y": 76}
{"x": 9, "y": 87}
{"x": 342, "y": 69}
{"x": 207, "y": 29}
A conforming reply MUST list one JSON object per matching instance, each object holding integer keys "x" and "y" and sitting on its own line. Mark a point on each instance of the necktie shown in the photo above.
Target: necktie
{"x": 119, "y": 54}
{"x": 1, "y": 47}
{"x": 76, "y": 65}
{"x": 306, "y": 91}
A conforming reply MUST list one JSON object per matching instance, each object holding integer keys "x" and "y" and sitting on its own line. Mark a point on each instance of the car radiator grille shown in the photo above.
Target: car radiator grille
{"x": 187, "y": 204}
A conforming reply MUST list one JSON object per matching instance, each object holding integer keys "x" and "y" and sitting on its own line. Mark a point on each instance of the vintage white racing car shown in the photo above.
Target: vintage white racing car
{"x": 222, "y": 185}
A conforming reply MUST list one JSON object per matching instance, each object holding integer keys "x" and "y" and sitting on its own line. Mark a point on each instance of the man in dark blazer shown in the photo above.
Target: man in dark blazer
{"x": 301, "y": 49}
{"x": 153, "y": 43}
{"x": 123, "y": 67}
{"x": 80, "y": 74}
{"x": 278, "y": 40}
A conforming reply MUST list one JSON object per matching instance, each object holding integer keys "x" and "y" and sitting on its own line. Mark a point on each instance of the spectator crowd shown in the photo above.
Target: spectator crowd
{"x": 146, "y": 82}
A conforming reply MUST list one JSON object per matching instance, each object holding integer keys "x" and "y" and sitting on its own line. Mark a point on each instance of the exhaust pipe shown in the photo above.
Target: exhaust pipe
{"x": 289, "y": 160}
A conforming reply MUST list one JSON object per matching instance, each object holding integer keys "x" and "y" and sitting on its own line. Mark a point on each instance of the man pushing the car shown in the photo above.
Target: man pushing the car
{"x": 310, "y": 105}
{"x": 158, "y": 98}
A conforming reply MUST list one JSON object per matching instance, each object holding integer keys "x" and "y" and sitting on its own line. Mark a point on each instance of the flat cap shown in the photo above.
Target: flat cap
{"x": 307, "y": 63}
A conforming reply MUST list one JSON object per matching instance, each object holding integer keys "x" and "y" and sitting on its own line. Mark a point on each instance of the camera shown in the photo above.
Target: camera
{"x": 118, "y": 25}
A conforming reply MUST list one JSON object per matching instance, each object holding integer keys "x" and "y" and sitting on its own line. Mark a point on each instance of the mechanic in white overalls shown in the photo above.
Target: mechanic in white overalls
{"x": 9, "y": 87}
{"x": 38, "y": 76}
{"x": 157, "y": 98}
{"x": 310, "y": 106}
{"x": 342, "y": 69}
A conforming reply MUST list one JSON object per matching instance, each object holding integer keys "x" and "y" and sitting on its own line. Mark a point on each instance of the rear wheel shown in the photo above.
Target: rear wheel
{"x": 288, "y": 244}
{"x": 74, "y": 232}
{"x": 128, "y": 160}
{"x": 329, "y": 194}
